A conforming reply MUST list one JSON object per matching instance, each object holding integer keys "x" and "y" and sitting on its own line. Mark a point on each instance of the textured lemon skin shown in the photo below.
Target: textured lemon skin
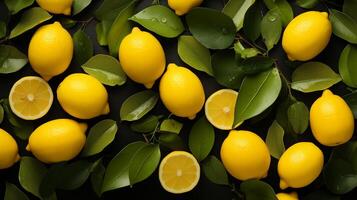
{"x": 331, "y": 120}
{"x": 287, "y": 196}
{"x": 57, "y": 140}
{"x": 182, "y": 7}
{"x": 83, "y": 96}
{"x": 245, "y": 155}
{"x": 142, "y": 57}
{"x": 300, "y": 165}
{"x": 181, "y": 91}
{"x": 8, "y": 150}
{"x": 56, "y": 6}
{"x": 307, "y": 35}
{"x": 51, "y": 50}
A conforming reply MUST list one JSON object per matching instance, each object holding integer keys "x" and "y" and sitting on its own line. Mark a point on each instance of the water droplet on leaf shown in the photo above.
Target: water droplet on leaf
{"x": 163, "y": 20}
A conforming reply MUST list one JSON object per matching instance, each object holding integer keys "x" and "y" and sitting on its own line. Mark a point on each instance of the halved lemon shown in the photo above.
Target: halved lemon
{"x": 179, "y": 172}
{"x": 220, "y": 108}
{"x": 30, "y": 98}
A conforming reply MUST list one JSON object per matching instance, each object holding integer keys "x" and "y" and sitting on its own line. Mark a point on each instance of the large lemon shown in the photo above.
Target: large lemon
{"x": 331, "y": 120}
{"x": 57, "y": 140}
{"x": 182, "y": 7}
{"x": 245, "y": 155}
{"x": 142, "y": 57}
{"x": 307, "y": 35}
{"x": 50, "y": 51}
{"x": 8, "y": 150}
{"x": 300, "y": 165}
{"x": 287, "y": 196}
{"x": 56, "y": 6}
{"x": 181, "y": 91}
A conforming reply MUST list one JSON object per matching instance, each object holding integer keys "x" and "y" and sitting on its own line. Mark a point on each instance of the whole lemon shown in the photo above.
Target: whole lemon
{"x": 331, "y": 120}
{"x": 182, "y": 7}
{"x": 8, "y": 151}
{"x": 287, "y": 196}
{"x": 51, "y": 50}
{"x": 245, "y": 155}
{"x": 142, "y": 57}
{"x": 300, "y": 165}
{"x": 83, "y": 96}
{"x": 56, "y": 6}
{"x": 307, "y": 35}
{"x": 181, "y": 91}
{"x": 57, "y": 140}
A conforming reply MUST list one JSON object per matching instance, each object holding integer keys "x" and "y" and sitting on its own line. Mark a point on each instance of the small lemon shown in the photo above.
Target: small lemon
{"x": 83, "y": 96}
{"x": 8, "y": 151}
{"x": 57, "y": 140}
{"x": 142, "y": 57}
{"x": 300, "y": 165}
{"x": 287, "y": 196}
{"x": 50, "y": 51}
{"x": 56, "y": 6}
{"x": 181, "y": 91}
{"x": 182, "y": 7}
{"x": 245, "y": 155}
{"x": 331, "y": 120}
{"x": 307, "y": 35}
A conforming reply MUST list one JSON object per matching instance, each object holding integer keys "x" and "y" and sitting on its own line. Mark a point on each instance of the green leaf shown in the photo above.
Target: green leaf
{"x": 14, "y": 193}
{"x": 160, "y": 20}
{"x": 15, "y": 6}
{"x": 97, "y": 177}
{"x": 257, "y": 190}
{"x": 171, "y": 126}
{"x": 106, "y": 69}
{"x": 275, "y": 140}
{"x": 29, "y": 19}
{"x": 67, "y": 23}
{"x": 350, "y": 7}
{"x": 282, "y": 114}
{"x": 3, "y": 29}
{"x": 245, "y": 52}
{"x": 343, "y": 26}
{"x": 146, "y": 124}
{"x": 298, "y": 116}
{"x": 1, "y": 114}
{"x": 321, "y": 194}
{"x": 102, "y": 28}
{"x": 194, "y": 54}
{"x": 215, "y": 171}
{"x": 144, "y": 163}
{"x": 271, "y": 28}
{"x": 256, "y": 94}
{"x": 351, "y": 100}
{"x": 117, "y": 173}
{"x": 138, "y": 105}
{"x": 79, "y": 5}
{"x": 172, "y": 141}
{"x": 283, "y": 8}
{"x": 256, "y": 64}
{"x": 83, "y": 47}
{"x": 11, "y": 59}
{"x": 236, "y": 9}
{"x": 313, "y": 76}
{"x": 252, "y": 20}
{"x": 307, "y": 4}
{"x": 110, "y": 8}
{"x": 201, "y": 139}
{"x": 211, "y": 28}
{"x": 31, "y": 174}
{"x": 346, "y": 65}
{"x": 99, "y": 137}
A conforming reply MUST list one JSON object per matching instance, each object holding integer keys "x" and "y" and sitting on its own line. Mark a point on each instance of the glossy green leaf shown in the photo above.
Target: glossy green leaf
{"x": 102, "y": 28}
{"x": 350, "y": 7}
{"x": 29, "y": 19}
{"x": 321, "y": 194}
{"x": 252, "y": 20}
{"x": 257, "y": 190}
{"x": 11, "y": 59}
{"x": 313, "y": 76}
{"x": 346, "y": 65}
{"x": 237, "y": 9}
{"x": 99, "y": 137}
{"x": 194, "y": 54}
{"x": 110, "y": 8}
{"x": 96, "y": 178}
{"x": 211, "y": 28}
{"x": 106, "y": 69}
{"x": 67, "y": 23}
{"x": 271, "y": 28}
{"x": 256, "y": 64}
{"x": 245, "y": 52}
{"x": 83, "y": 47}
{"x": 343, "y": 26}
{"x": 283, "y": 8}
{"x": 172, "y": 141}
{"x": 31, "y": 174}
{"x": 351, "y": 100}
{"x": 298, "y": 116}
{"x": 171, "y": 126}
{"x": 275, "y": 140}
{"x": 2, "y": 113}
{"x": 146, "y": 124}
{"x": 282, "y": 114}
{"x": 79, "y": 5}
{"x": 3, "y": 29}
{"x": 15, "y": 6}
{"x": 14, "y": 193}
{"x": 214, "y": 170}
{"x": 307, "y": 4}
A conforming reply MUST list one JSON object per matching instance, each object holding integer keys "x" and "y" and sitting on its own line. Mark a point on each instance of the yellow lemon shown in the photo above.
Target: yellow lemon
{"x": 8, "y": 151}
{"x": 179, "y": 172}
{"x": 51, "y": 50}
{"x": 300, "y": 165}
{"x": 83, "y": 96}
{"x": 57, "y": 140}
{"x": 331, "y": 120}
{"x": 142, "y": 57}
{"x": 287, "y": 196}
{"x": 182, "y": 7}
{"x": 56, "y": 6}
{"x": 245, "y": 155}
{"x": 181, "y": 91}
{"x": 307, "y": 35}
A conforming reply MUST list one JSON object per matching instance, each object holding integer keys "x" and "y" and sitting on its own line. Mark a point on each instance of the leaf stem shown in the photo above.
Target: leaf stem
{"x": 146, "y": 139}
{"x": 252, "y": 44}
{"x": 85, "y": 23}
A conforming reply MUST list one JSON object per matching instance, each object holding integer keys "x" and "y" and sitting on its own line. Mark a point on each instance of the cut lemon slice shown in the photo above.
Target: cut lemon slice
{"x": 179, "y": 172}
{"x": 219, "y": 108}
{"x": 30, "y": 98}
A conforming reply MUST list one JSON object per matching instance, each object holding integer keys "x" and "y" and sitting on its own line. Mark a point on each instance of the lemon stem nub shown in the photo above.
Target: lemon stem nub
{"x": 283, "y": 185}
{"x": 28, "y": 148}
{"x": 83, "y": 127}
{"x": 106, "y": 109}
{"x": 326, "y": 93}
{"x": 149, "y": 85}
{"x": 46, "y": 78}
{"x": 18, "y": 157}
{"x": 192, "y": 117}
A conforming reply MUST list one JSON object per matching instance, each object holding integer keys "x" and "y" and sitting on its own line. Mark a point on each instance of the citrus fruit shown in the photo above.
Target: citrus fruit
{"x": 142, "y": 57}
{"x": 331, "y": 120}
{"x": 182, "y": 7}
{"x": 300, "y": 165}
{"x": 30, "y": 98}
{"x": 307, "y": 35}
{"x": 8, "y": 151}
{"x": 287, "y": 196}
{"x": 179, "y": 172}
{"x": 50, "y": 51}
{"x": 245, "y": 155}
{"x": 83, "y": 96}
{"x": 181, "y": 91}
{"x": 57, "y": 140}
{"x": 56, "y": 6}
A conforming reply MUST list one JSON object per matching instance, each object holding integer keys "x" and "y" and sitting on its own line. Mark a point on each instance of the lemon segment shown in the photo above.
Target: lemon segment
{"x": 9, "y": 150}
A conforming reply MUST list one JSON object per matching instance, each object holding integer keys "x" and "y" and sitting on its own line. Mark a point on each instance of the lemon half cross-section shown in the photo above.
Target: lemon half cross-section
{"x": 30, "y": 98}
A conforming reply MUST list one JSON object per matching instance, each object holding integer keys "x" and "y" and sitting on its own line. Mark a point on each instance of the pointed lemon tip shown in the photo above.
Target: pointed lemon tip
{"x": 324, "y": 14}
{"x": 179, "y": 13}
{"x": 67, "y": 11}
{"x": 28, "y": 147}
{"x": 291, "y": 58}
{"x": 265, "y": 175}
{"x": 294, "y": 194}
{"x": 283, "y": 185}
{"x": 83, "y": 127}
{"x": 17, "y": 158}
{"x": 45, "y": 77}
{"x": 192, "y": 117}
{"x": 106, "y": 109}
{"x": 171, "y": 66}
{"x": 149, "y": 85}
{"x": 135, "y": 30}
{"x": 327, "y": 93}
